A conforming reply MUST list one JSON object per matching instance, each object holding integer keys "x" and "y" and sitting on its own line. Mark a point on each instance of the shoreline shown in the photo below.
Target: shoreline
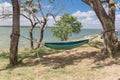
{"x": 85, "y": 37}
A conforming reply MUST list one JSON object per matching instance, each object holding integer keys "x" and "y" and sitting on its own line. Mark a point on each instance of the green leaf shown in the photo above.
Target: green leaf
{"x": 66, "y": 26}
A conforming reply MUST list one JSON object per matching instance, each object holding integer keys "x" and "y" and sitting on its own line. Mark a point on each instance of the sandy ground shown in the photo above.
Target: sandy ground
{"x": 82, "y": 63}
{"x": 89, "y": 58}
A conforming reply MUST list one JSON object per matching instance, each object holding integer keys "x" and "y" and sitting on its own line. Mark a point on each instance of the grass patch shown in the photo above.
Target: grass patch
{"x": 55, "y": 73}
{"x": 32, "y": 53}
{"x": 95, "y": 44}
{"x": 84, "y": 69}
{"x": 59, "y": 71}
{"x": 17, "y": 74}
{"x": 4, "y": 55}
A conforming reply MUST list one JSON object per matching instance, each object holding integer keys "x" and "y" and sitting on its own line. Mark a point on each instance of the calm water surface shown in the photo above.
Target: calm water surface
{"x": 48, "y": 36}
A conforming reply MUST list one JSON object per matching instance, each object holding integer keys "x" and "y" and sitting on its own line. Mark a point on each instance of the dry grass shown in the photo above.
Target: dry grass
{"x": 83, "y": 63}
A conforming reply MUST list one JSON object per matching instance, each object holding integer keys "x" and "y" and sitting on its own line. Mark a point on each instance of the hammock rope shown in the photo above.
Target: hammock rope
{"x": 68, "y": 44}
{"x": 95, "y": 37}
{"x": 43, "y": 43}
{"x": 102, "y": 33}
{"x": 30, "y": 39}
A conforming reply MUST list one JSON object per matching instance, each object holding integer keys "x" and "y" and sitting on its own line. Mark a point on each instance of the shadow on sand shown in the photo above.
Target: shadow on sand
{"x": 61, "y": 59}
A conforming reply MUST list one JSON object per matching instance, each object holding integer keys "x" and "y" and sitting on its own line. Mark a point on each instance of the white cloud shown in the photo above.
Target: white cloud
{"x": 5, "y": 8}
{"x": 117, "y": 23}
{"x": 118, "y": 16}
{"x": 24, "y": 21}
{"x": 88, "y": 19}
{"x": 6, "y": 21}
{"x": 47, "y": 6}
{"x": 51, "y": 20}
{"x": 118, "y": 5}
{"x": 83, "y": 14}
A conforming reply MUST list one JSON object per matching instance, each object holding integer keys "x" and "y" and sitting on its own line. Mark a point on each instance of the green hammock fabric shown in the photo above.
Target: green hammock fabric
{"x": 65, "y": 45}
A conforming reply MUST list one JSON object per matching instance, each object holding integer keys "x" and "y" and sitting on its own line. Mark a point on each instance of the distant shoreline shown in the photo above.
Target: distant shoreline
{"x": 47, "y": 27}
{"x": 20, "y": 26}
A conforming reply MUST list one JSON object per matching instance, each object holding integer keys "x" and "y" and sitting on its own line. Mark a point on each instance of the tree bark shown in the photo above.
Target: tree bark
{"x": 108, "y": 23}
{"x": 31, "y": 38}
{"x": 15, "y": 33}
{"x": 31, "y": 35}
{"x": 42, "y": 32}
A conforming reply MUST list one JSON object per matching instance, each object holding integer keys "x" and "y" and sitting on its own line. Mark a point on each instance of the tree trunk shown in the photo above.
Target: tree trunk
{"x": 42, "y": 32}
{"x": 108, "y": 23}
{"x": 110, "y": 38}
{"x": 41, "y": 37}
{"x": 31, "y": 34}
{"x": 15, "y": 33}
{"x": 31, "y": 38}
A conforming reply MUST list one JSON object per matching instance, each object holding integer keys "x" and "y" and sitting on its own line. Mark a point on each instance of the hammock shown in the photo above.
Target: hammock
{"x": 66, "y": 45}
{"x": 69, "y": 44}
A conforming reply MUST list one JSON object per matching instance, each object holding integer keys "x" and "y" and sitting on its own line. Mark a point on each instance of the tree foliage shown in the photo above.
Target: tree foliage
{"x": 66, "y": 26}
{"x": 29, "y": 6}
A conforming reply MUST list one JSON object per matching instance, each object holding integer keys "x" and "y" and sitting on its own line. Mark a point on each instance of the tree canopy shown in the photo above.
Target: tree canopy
{"x": 66, "y": 26}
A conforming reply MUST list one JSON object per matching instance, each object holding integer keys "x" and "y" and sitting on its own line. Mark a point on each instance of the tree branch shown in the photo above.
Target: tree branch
{"x": 112, "y": 10}
{"x": 88, "y": 2}
{"x": 40, "y": 8}
{"x": 98, "y": 8}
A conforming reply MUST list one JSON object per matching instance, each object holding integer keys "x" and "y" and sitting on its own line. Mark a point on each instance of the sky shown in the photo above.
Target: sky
{"x": 76, "y": 8}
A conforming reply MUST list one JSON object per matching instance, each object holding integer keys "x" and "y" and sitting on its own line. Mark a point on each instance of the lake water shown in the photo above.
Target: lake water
{"x": 48, "y": 36}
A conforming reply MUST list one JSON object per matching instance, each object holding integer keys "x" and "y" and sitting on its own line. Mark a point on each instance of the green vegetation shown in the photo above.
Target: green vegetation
{"x": 95, "y": 44}
{"x": 77, "y": 64}
{"x": 54, "y": 65}
{"x": 66, "y": 26}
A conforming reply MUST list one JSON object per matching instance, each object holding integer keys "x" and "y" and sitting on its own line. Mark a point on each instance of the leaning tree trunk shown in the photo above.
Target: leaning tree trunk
{"x": 108, "y": 23}
{"x": 31, "y": 35}
{"x": 15, "y": 33}
{"x": 42, "y": 32}
{"x": 31, "y": 38}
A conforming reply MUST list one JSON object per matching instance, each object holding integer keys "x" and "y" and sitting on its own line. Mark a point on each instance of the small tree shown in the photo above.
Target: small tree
{"x": 66, "y": 26}
{"x": 45, "y": 18}
{"x": 29, "y": 9}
